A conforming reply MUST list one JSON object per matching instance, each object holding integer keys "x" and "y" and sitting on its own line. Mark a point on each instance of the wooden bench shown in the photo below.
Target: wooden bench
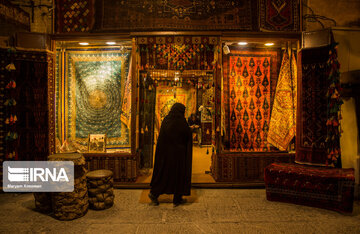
{"x": 323, "y": 187}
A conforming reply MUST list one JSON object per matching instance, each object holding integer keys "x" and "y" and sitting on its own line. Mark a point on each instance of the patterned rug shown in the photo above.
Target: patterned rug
{"x": 283, "y": 116}
{"x": 279, "y": 15}
{"x": 126, "y": 101}
{"x": 177, "y": 52}
{"x": 165, "y": 98}
{"x": 91, "y": 84}
{"x": 311, "y": 140}
{"x": 176, "y": 15}
{"x": 249, "y": 86}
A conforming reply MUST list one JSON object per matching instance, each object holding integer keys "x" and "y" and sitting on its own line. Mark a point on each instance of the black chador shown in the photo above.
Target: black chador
{"x": 173, "y": 157}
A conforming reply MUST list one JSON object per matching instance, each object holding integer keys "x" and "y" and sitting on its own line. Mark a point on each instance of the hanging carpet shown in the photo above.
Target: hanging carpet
{"x": 165, "y": 98}
{"x": 279, "y": 15}
{"x": 249, "y": 100}
{"x": 93, "y": 93}
{"x": 283, "y": 118}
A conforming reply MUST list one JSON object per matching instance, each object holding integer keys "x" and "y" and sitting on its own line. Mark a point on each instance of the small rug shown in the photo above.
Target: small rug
{"x": 279, "y": 15}
{"x": 166, "y": 198}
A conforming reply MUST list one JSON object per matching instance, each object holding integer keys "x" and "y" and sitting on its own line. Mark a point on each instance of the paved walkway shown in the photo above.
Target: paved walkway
{"x": 216, "y": 211}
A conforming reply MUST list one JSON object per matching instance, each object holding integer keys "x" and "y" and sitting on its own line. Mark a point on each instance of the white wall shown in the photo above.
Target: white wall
{"x": 349, "y": 58}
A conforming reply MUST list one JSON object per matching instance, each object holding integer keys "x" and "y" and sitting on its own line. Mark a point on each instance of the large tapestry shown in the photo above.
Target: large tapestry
{"x": 249, "y": 76}
{"x": 283, "y": 116}
{"x": 74, "y": 16}
{"x": 279, "y": 15}
{"x": 91, "y": 89}
{"x": 176, "y": 15}
{"x": 168, "y": 96}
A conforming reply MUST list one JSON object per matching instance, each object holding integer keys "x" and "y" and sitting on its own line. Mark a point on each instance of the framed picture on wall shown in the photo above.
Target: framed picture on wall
{"x": 97, "y": 143}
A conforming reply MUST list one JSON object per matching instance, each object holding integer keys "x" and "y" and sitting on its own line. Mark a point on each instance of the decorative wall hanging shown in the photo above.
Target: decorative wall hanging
{"x": 165, "y": 99}
{"x": 177, "y": 53}
{"x": 283, "y": 116}
{"x": 91, "y": 88}
{"x": 27, "y": 108}
{"x": 74, "y": 16}
{"x": 311, "y": 130}
{"x": 176, "y": 15}
{"x": 8, "y": 113}
{"x": 250, "y": 83}
{"x": 279, "y": 15}
{"x": 208, "y": 95}
{"x": 333, "y": 109}
{"x": 126, "y": 100}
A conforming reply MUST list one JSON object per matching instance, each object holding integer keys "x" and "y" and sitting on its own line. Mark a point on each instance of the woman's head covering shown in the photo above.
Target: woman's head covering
{"x": 177, "y": 109}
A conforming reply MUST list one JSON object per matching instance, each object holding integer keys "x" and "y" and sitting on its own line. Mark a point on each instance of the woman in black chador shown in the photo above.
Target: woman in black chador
{"x": 173, "y": 158}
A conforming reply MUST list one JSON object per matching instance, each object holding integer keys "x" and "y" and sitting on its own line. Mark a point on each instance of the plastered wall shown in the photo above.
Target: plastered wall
{"x": 349, "y": 58}
{"x": 346, "y": 13}
{"x": 41, "y": 22}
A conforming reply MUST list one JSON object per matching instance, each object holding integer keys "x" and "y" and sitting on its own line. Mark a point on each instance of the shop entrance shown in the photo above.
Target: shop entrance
{"x": 159, "y": 90}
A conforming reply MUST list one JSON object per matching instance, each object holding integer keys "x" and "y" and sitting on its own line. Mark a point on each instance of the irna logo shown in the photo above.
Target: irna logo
{"x": 36, "y": 174}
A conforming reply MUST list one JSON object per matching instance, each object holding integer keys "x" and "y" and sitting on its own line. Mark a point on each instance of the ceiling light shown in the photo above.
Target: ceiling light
{"x": 269, "y": 44}
{"x": 111, "y": 42}
{"x": 83, "y": 43}
{"x": 243, "y": 43}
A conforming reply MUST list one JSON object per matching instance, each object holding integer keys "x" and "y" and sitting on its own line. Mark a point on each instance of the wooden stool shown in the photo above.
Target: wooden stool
{"x": 100, "y": 187}
{"x": 71, "y": 205}
{"x": 43, "y": 202}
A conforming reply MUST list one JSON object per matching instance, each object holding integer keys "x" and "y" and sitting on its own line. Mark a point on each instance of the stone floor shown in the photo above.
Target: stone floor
{"x": 216, "y": 211}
